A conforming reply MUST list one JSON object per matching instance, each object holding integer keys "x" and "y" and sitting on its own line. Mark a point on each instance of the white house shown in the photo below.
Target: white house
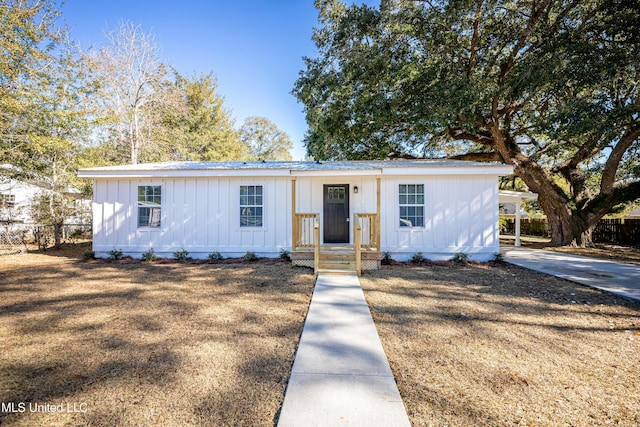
{"x": 437, "y": 207}
{"x": 17, "y": 197}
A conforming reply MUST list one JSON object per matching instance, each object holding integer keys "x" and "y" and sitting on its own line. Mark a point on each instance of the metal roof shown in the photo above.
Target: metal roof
{"x": 318, "y": 166}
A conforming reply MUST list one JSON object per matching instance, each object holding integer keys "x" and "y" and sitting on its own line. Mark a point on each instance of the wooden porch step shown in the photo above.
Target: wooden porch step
{"x": 335, "y": 271}
{"x": 340, "y": 265}
{"x": 338, "y": 256}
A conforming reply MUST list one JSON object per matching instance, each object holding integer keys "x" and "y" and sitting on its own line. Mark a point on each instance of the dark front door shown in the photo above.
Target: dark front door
{"x": 336, "y": 213}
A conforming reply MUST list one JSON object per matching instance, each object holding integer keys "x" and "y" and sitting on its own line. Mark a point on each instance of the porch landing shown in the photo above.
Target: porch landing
{"x": 337, "y": 258}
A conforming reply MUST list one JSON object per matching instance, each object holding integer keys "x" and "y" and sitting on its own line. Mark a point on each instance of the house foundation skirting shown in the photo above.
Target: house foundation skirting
{"x": 370, "y": 260}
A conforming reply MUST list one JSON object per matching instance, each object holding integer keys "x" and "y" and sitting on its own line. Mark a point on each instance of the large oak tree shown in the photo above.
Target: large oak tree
{"x": 549, "y": 86}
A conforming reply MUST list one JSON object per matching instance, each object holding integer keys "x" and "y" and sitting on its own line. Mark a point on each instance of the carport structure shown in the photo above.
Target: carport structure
{"x": 516, "y": 197}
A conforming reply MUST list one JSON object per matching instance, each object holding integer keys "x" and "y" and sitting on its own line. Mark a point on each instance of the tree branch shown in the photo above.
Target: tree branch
{"x": 621, "y": 194}
{"x": 481, "y": 137}
{"x": 611, "y": 166}
{"x": 533, "y": 20}
{"x": 475, "y": 37}
{"x": 478, "y": 157}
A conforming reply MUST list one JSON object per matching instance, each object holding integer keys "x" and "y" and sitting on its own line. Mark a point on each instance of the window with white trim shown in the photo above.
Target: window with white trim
{"x": 251, "y": 205}
{"x": 7, "y": 201}
{"x": 149, "y": 205}
{"x": 411, "y": 202}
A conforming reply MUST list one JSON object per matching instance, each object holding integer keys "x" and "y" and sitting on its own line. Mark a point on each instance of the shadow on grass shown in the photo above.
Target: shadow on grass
{"x": 484, "y": 344}
{"x": 142, "y": 342}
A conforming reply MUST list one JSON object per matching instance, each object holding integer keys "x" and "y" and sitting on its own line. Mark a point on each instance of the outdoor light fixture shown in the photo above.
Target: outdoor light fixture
{"x": 355, "y": 189}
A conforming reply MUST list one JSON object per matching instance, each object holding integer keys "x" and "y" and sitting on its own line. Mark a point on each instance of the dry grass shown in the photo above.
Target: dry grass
{"x": 500, "y": 345}
{"x": 147, "y": 344}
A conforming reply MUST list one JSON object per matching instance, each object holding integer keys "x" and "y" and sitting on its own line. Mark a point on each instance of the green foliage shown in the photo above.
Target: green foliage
{"x": 502, "y": 224}
{"x": 149, "y": 255}
{"x": 28, "y": 37}
{"x": 89, "y": 255}
{"x": 115, "y": 254}
{"x": 264, "y": 140}
{"x": 386, "y": 258}
{"x": 250, "y": 256}
{"x": 460, "y": 258}
{"x": 285, "y": 255}
{"x": 549, "y": 87}
{"x": 417, "y": 258}
{"x": 215, "y": 257}
{"x": 195, "y": 125}
{"x": 181, "y": 255}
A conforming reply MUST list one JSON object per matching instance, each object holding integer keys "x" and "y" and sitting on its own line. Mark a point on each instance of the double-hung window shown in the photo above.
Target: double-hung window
{"x": 251, "y": 204}
{"x": 411, "y": 202}
{"x": 149, "y": 205}
{"x": 7, "y": 201}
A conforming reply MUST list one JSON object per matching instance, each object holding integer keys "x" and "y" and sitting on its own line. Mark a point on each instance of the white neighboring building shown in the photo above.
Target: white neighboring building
{"x": 17, "y": 195}
{"x": 437, "y": 207}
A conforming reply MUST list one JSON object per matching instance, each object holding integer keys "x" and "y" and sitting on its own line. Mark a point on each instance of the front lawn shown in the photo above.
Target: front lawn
{"x": 483, "y": 345}
{"x": 147, "y": 344}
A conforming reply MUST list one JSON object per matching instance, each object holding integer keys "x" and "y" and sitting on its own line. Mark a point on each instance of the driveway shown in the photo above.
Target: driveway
{"x": 615, "y": 277}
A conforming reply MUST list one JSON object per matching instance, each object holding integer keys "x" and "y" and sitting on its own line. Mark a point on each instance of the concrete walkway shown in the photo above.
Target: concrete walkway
{"x": 341, "y": 375}
{"x": 615, "y": 277}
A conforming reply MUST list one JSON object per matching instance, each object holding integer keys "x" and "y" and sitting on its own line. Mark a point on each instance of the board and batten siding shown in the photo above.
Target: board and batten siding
{"x": 200, "y": 215}
{"x": 461, "y": 215}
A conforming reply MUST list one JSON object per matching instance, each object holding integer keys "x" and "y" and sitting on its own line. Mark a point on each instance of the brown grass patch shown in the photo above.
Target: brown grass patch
{"x": 500, "y": 345}
{"x": 147, "y": 343}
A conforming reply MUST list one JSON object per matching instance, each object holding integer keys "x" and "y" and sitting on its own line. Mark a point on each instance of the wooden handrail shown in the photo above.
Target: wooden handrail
{"x": 316, "y": 246}
{"x": 370, "y": 230}
{"x": 303, "y": 230}
{"x": 357, "y": 235}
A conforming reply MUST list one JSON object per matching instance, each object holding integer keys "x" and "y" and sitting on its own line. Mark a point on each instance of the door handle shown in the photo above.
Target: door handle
{"x": 347, "y": 219}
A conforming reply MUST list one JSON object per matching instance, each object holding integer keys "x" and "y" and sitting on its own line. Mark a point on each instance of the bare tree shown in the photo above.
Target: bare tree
{"x": 128, "y": 70}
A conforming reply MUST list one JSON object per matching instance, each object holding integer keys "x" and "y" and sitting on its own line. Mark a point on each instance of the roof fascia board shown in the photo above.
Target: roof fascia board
{"x": 96, "y": 174}
{"x": 443, "y": 170}
{"x": 328, "y": 172}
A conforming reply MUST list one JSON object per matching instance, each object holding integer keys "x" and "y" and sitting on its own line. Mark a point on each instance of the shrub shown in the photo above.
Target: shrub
{"x": 250, "y": 256}
{"x": 417, "y": 258}
{"x": 461, "y": 258}
{"x": 285, "y": 255}
{"x": 386, "y": 258}
{"x": 215, "y": 256}
{"x": 149, "y": 255}
{"x": 89, "y": 255}
{"x": 115, "y": 254}
{"x": 498, "y": 257}
{"x": 181, "y": 255}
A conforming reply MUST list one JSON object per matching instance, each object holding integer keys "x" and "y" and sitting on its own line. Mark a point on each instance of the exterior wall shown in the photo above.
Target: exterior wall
{"x": 309, "y": 195}
{"x": 461, "y": 215}
{"x": 24, "y": 193}
{"x": 200, "y": 215}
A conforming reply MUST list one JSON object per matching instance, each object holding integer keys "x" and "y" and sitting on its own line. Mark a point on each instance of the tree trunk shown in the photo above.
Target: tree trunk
{"x": 550, "y": 197}
{"x": 57, "y": 234}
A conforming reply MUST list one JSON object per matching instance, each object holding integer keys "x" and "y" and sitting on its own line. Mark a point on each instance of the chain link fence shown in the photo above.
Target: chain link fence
{"x": 14, "y": 237}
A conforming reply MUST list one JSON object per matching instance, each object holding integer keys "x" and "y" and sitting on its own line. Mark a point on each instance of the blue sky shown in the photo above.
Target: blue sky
{"x": 253, "y": 47}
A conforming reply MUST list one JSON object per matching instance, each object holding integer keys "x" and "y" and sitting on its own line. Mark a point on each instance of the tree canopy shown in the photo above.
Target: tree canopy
{"x": 62, "y": 108}
{"x": 549, "y": 86}
{"x": 195, "y": 124}
{"x": 264, "y": 140}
